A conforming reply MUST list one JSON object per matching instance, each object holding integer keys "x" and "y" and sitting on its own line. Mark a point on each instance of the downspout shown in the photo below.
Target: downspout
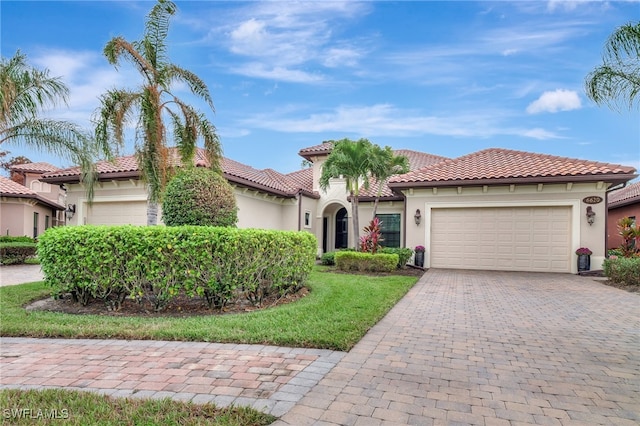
{"x": 299, "y": 210}
{"x": 404, "y": 228}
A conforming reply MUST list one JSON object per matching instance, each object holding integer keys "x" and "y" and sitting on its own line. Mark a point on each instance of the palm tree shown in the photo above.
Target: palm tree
{"x": 25, "y": 94}
{"x": 153, "y": 103}
{"x": 384, "y": 165}
{"x": 350, "y": 160}
{"x": 617, "y": 80}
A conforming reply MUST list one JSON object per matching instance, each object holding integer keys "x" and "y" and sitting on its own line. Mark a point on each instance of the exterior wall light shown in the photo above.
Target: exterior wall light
{"x": 591, "y": 215}
{"x": 417, "y": 217}
{"x": 70, "y": 211}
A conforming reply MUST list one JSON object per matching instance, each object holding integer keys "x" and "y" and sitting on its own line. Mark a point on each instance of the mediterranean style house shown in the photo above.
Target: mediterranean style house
{"x": 30, "y": 207}
{"x": 494, "y": 209}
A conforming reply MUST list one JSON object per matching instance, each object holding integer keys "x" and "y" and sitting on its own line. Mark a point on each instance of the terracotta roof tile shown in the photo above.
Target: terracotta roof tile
{"x": 627, "y": 195}
{"x": 303, "y": 179}
{"x": 504, "y": 164}
{"x": 9, "y": 188}
{"x": 40, "y": 167}
{"x": 417, "y": 161}
{"x": 323, "y": 148}
{"x": 268, "y": 179}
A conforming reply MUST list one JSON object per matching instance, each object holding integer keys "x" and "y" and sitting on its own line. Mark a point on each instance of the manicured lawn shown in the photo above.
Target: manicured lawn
{"x": 59, "y": 406}
{"x": 335, "y": 315}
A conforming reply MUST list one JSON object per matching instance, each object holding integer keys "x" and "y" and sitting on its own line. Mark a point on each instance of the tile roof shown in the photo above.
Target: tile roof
{"x": 323, "y": 148}
{"x": 267, "y": 180}
{"x": 41, "y": 167}
{"x": 497, "y": 165}
{"x": 417, "y": 161}
{"x": 9, "y": 188}
{"x": 303, "y": 178}
{"x": 627, "y": 195}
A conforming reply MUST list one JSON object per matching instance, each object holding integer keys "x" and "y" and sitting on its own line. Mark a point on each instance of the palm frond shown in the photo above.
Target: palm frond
{"x": 196, "y": 85}
{"x": 156, "y": 31}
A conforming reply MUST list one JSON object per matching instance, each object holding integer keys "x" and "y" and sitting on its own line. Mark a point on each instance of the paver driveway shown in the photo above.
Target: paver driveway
{"x": 490, "y": 348}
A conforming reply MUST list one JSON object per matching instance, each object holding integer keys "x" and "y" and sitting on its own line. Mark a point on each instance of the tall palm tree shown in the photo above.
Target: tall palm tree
{"x": 153, "y": 103}
{"x": 617, "y": 80}
{"x": 384, "y": 165}
{"x": 350, "y": 160}
{"x": 25, "y": 94}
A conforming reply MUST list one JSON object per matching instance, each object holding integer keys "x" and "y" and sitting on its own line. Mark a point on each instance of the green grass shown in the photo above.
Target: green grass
{"x": 335, "y": 315}
{"x": 84, "y": 408}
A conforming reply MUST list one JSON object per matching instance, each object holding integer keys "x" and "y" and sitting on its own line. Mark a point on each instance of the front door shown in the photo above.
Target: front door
{"x": 342, "y": 229}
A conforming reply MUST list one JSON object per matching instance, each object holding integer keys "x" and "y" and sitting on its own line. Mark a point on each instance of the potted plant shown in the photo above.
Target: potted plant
{"x": 584, "y": 259}
{"x": 418, "y": 259}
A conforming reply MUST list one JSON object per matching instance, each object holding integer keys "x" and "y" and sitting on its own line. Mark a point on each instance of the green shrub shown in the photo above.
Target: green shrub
{"x": 199, "y": 196}
{"x": 404, "y": 254}
{"x": 366, "y": 262}
{"x": 623, "y": 270}
{"x": 9, "y": 239}
{"x": 328, "y": 258}
{"x": 156, "y": 264}
{"x": 16, "y": 252}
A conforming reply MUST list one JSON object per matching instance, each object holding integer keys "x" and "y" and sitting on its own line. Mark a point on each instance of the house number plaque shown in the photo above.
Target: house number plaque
{"x": 594, "y": 199}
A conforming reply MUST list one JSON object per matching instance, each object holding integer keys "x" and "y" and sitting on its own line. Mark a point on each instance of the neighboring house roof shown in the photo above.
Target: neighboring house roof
{"x": 40, "y": 167}
{"x": 502, "y": 166}
{"x": 630, "y": 194}
{"x": 11, "y": 189}
{"x": 303, "y": 178}
{"x": 126, "y": 167}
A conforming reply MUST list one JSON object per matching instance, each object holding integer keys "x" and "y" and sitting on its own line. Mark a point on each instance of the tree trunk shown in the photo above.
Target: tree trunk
{"x": 375, "y": 207}
{"x": 356, "y": 222}
{"x": 152, "y": 213}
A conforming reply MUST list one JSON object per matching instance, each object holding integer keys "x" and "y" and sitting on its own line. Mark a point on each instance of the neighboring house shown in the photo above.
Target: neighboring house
{"x": 494, "y": 209}
{"x": 25, "y": 211}
{"x": 624, "y": 202}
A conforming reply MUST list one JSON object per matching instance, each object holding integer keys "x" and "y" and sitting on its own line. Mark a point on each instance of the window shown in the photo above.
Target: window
{"x": 390, "y": 229}
{"x": 35, "y": 224}
{"x": 307, "y": 219}
{"x": 46, "y": 222}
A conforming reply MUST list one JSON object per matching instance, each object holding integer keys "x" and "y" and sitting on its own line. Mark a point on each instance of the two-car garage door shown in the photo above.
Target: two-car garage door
{"x": 118, "y": 213}
{"x": 502, "y": 238}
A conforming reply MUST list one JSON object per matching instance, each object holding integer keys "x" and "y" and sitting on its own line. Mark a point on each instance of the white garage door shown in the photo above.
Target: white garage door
{"x": 118, "y": 213}
{"x": 502, "y": 238}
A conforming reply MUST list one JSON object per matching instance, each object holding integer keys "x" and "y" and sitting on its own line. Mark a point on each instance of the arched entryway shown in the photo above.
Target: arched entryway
{"x": 335, "y": 227}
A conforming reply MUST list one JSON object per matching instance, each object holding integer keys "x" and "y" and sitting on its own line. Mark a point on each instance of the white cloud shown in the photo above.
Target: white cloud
{"x": 278, "y": 73}
{"x": 558, "y": 100}
{"x": 387, "y": 120}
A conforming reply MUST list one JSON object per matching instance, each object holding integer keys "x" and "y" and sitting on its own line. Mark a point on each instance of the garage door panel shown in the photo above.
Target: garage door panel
{"x": 502, "y": 238}
{"x": 118, "y": 213}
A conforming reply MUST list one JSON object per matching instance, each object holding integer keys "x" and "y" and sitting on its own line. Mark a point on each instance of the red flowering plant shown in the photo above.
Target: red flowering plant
{"x": 370, "y": 241}
{"x": 420, "y": 248}
{"x": 584, "y": 251}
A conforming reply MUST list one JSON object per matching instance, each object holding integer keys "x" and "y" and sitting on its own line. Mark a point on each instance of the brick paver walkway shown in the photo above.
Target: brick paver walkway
{"x": 490, "y": 348}
{"x": 268, "y": 378}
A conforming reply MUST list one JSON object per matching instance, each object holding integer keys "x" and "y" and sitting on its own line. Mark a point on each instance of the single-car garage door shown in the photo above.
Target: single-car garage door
{"x": 502, "y": 238}
{"x": 117, "y": 213}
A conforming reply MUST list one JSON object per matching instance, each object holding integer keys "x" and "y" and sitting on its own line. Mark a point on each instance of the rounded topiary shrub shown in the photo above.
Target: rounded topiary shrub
{"x": 198, "y": 196}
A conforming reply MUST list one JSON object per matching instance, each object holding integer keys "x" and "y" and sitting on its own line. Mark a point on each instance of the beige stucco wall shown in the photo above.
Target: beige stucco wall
{"x": 255, "y": 209}
{"x": 49, "y": 191}
{"x": 571, "y": 195}
{"x": 16, "y": 216}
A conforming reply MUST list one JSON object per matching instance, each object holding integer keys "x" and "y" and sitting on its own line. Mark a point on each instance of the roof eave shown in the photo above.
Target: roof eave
{"x": 259, "y": 187}
{"x": 36, "y": 197}
{"x": 610, "y": 178}
{"x": 101, "y": 177}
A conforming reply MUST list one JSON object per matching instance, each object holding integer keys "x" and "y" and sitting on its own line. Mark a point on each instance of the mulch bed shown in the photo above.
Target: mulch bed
{"x": 181, "y": 306}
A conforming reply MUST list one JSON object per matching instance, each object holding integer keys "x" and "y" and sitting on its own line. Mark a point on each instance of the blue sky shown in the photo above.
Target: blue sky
{"x": 447, "y": 78}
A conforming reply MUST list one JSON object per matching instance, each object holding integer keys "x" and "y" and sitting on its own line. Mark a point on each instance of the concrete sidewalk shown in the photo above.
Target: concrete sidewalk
{"x": 19, "y": 274}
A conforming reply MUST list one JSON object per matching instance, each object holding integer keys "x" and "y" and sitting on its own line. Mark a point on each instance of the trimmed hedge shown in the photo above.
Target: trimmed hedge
{"x": 365, "y": 262}
{"x": 157, "y": 263}
{"x": 9, "y": 239}
{"x": 16, "y": 252}
{"x": 404, "y": 254}
{"x": 623, "y": 270}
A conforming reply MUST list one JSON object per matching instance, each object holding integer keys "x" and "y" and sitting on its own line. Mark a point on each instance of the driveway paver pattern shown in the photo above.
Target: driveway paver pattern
{"x": 461, "y": 348}
{"x": 490, "y": 348}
